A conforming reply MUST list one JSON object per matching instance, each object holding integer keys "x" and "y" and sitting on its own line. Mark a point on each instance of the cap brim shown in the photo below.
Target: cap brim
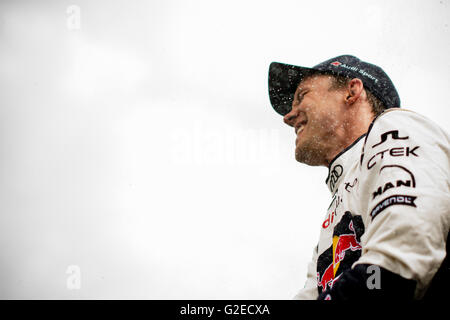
{"x": 283, "y": 81}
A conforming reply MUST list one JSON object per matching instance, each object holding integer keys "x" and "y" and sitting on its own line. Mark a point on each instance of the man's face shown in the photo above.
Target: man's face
{"x": 316, "y": 115}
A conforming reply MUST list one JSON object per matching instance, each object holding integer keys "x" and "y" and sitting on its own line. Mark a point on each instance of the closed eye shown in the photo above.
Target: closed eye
{"x": 300, "y": 96}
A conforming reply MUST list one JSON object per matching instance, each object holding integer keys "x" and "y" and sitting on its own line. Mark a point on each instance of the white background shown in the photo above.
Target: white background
{"x": 138, "y": 145}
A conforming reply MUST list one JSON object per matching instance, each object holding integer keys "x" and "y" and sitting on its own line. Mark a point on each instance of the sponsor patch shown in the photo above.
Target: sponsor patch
{"x": 335, "y": 174}
{"x": 394, "y": 135}
{"x": 407, "y": 181}
{"x": 345, "y": 249}
{"x": 348, "y": 185}
{"x": 393, "y": 152}
{"x": 393, "y": 200}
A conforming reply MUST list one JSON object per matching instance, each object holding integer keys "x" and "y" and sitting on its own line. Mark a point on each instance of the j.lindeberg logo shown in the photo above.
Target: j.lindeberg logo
{"x": 394, "y": 134}
{"x": 336, "y": 63}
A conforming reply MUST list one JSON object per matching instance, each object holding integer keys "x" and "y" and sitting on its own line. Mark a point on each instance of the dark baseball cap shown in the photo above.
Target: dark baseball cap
{"x": 284, "y": 79}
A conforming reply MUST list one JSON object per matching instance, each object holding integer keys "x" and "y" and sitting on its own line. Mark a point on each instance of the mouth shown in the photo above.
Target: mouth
{"x": 298, "y": 130}
{"x": 300, "y": 127}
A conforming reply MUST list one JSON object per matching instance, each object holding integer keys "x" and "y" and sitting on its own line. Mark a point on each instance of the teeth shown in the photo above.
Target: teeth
{"x": 299, "y": 129}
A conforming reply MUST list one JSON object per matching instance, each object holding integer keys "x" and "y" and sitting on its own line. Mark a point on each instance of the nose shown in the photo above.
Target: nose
{"x": 289, "y": 118}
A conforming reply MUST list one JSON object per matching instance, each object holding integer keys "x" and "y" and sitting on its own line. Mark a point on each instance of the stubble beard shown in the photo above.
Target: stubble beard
{"x": 310, "y": 153}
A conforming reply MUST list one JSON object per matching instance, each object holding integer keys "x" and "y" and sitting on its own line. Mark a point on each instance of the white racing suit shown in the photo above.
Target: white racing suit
{"x": 390, "y": 209}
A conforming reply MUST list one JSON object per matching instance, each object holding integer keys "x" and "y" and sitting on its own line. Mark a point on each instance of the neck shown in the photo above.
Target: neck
{"x": 353, "y": 126}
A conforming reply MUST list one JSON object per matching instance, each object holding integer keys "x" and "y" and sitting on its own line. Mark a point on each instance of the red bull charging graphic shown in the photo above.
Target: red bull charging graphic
{"x": 344, "y": 251}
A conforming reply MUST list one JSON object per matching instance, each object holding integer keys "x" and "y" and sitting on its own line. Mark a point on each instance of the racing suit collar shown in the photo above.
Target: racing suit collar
{"x": 341, "y": 162}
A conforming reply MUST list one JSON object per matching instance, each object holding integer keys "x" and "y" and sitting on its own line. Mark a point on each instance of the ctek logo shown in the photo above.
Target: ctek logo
{"x": 394, "y": 152}
{"x": 336, "y": 63}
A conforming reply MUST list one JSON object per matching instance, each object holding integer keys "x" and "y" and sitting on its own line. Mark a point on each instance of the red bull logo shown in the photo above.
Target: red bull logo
{"x": 341, "y": 244}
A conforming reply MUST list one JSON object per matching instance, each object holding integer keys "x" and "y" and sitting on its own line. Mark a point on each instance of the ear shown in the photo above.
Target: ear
{"x": 355, "y": 88}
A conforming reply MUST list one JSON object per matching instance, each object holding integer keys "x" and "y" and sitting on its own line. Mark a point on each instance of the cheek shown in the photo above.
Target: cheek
{"x": 322, "y": 113}
{"x": 325, "y": 121}
{"x": 330, "y": 111}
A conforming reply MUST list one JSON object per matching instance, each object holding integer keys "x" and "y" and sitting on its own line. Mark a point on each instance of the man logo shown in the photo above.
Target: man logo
{"x": 408, "y": 182}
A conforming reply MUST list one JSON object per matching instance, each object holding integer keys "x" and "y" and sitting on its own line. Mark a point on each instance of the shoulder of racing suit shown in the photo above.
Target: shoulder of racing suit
{"x": 400, "y": 220}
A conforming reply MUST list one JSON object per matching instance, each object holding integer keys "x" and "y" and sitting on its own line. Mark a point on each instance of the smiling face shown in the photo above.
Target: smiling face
{"x": 317, "y": 116}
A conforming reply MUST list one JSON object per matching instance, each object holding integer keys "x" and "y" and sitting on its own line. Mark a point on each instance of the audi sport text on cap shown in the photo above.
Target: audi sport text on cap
{"x": 284, "y": 79}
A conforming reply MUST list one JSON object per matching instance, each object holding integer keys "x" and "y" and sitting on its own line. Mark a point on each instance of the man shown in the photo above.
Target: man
{"x": 385, "y": 232}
